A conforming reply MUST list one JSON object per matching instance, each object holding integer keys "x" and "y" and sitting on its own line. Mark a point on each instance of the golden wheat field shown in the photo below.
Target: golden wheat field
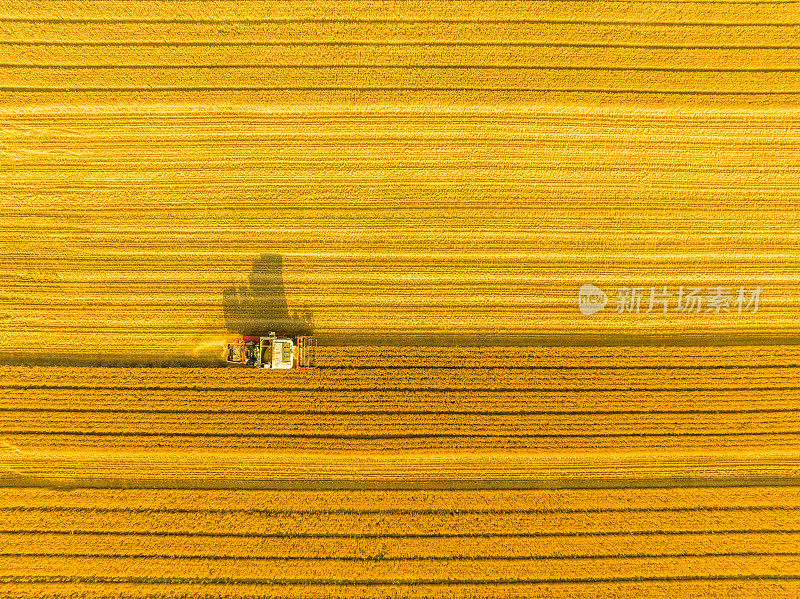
{"x": 550, "y": 251}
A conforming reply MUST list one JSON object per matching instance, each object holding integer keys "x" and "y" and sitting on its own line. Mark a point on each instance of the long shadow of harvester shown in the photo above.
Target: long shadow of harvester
{"x": 261, "y": 308}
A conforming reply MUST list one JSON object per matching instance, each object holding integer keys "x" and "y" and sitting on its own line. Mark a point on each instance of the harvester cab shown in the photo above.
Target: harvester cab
{"x": 272, "y": 351}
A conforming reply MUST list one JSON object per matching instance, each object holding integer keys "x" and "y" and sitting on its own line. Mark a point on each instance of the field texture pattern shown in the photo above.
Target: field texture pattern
{"x": 426, "y": 186}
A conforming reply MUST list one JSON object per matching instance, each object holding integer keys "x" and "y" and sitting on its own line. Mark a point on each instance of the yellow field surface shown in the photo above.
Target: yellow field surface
{"x": 620, "y": 542}
{"x": 123, "y": 226}
{"x": 388, "y": 474}
{"x": 389, "y": 152}
{"x": 702, "y": 53}
{"x": 425, "y": 185}
{"x": 378, "y": 400}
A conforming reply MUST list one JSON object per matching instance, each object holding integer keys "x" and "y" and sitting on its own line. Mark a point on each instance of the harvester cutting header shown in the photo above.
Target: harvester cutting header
{"x": 273, "y": 351}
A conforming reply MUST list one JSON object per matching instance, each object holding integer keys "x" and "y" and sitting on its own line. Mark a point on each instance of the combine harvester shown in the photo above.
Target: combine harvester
{"x": 272, "y": 351}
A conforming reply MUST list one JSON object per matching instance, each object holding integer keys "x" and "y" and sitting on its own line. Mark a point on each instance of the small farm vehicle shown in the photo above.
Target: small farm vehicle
{"x": 272, "y": 351}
